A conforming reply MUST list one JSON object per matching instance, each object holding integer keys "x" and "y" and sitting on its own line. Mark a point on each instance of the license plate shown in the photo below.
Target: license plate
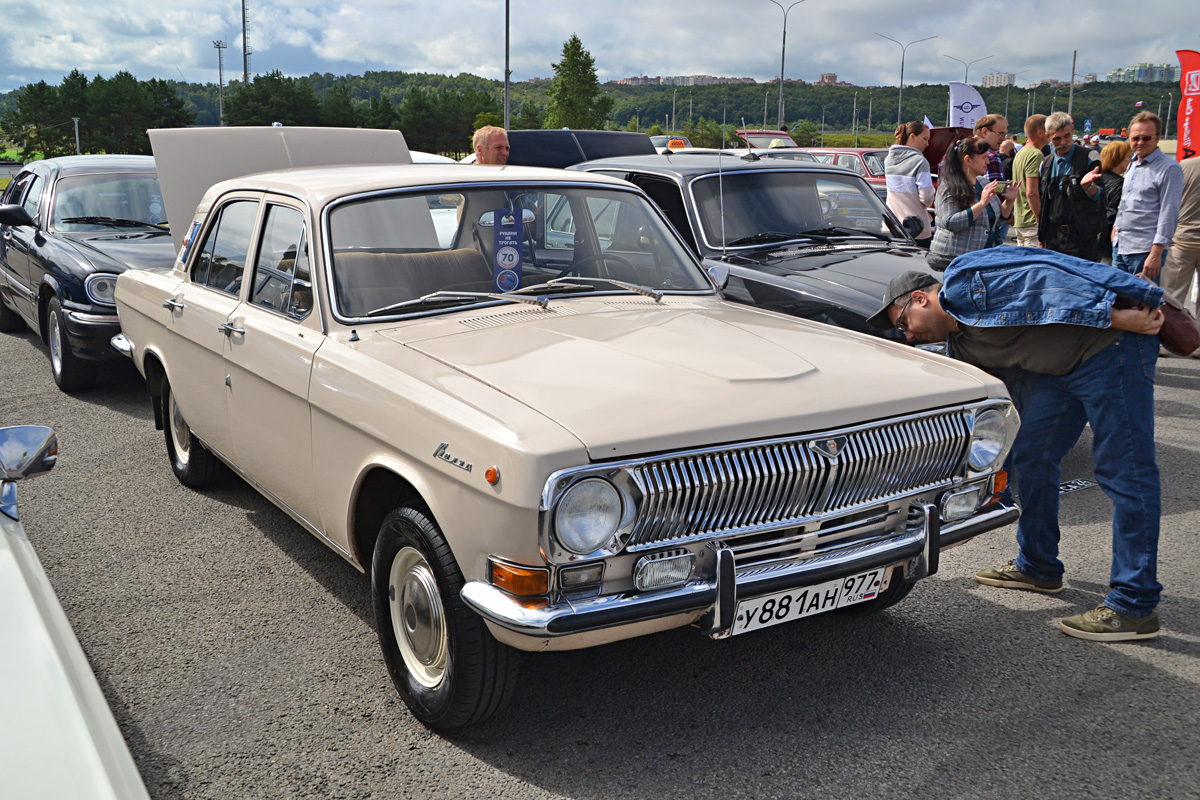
{"x": 774, "y": 609}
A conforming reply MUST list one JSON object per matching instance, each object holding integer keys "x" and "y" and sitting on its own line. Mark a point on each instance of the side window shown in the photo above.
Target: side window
{"x": 34, "y": 195}
{"x": 15, "y": 190}
{"x": 282, "y": 278}
{"x": 851, "y": 162}
{"x": 222, "y": 258}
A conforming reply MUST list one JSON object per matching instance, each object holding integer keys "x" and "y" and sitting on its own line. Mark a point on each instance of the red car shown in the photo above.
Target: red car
{"x": 866, "y": 161}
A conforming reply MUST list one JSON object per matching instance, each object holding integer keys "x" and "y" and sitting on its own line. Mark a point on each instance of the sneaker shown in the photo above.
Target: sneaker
{"x": 1102, "y": 624}
{"x": 1009, "y": 577}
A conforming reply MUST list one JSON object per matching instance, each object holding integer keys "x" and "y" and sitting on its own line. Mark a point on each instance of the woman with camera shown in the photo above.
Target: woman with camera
{"x": 970, "y": 215}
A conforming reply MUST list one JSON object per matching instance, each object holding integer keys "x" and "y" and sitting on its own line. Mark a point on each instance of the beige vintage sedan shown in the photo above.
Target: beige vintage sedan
{"x": 516, "y": 399}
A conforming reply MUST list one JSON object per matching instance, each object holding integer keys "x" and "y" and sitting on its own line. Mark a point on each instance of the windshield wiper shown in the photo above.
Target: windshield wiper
{"x": 566, "y": 283}
{"x": 116, "y": 222}
{"x": 839, "y": 230}
{"x": 445, "y": 298}
{"x": 766, "y": 237}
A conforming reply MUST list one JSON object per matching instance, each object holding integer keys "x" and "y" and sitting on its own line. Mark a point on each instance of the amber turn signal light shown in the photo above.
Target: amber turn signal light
{"x": 1000, "y": 482}
{"x": 521, "y": 581}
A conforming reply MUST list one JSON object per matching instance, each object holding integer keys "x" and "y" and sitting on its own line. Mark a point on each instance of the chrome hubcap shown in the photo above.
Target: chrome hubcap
{"x": 418, "y": 619}
{"x": 180, "y": 432}
{"x": 56, "y": 344}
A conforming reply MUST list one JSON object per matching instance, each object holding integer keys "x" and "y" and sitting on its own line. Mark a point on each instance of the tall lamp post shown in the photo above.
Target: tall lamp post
{"x": 967, "y": 65}
{"x": 782, "y": 55}
{"x": 220, "y": 45}
{"x": 903, "y": 49}
{"x": 507, "y": 71}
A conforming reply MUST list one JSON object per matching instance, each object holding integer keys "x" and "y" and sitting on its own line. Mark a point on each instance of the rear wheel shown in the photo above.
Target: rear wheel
{"x": 444, "y": 662}
{"x": 192, "y": 464}
{"x": 70, "y": 371}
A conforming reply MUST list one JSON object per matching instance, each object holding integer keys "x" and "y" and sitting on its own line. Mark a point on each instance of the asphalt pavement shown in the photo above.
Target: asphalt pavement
{"x": 240, "y": 658}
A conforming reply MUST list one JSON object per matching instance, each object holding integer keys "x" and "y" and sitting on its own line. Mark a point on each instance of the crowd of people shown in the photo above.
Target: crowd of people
{"x": 1068, "y": 319}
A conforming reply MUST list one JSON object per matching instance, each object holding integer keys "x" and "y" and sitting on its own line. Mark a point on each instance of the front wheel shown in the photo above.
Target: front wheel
{"x": 70, "y": 371}
{"x": 192, "y": 464}
{"x": 441, "y": 656}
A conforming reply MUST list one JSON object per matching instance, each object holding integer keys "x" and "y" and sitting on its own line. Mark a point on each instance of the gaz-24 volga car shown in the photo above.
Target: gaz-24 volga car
{"x": 515, "y": 398}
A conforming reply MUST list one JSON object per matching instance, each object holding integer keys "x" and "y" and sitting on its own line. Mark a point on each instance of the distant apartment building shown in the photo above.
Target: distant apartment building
{"x": 1146, "y": 73}
{"x": 681, "y": 80}
{"x": 994, "y": 79}
{"x": 830, "y": 79}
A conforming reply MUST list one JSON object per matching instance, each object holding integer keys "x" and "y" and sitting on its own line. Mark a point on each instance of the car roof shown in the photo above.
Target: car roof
{"x": 859, "y": 150}
{"x": 82, "y": 165}
{"x": 691, "y": 165}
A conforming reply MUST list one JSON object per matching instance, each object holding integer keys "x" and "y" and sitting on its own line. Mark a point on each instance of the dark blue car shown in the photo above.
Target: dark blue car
{"x": 68, "y": 227}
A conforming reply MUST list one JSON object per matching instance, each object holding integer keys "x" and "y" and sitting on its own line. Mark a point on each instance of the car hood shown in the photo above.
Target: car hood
{"x": 855, "y": 278}
{"x": 629, "y": 378}
{"x": 117, "y": 250}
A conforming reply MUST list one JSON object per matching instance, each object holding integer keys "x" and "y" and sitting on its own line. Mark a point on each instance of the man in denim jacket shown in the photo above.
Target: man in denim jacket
{"x": 1046, "y": 324}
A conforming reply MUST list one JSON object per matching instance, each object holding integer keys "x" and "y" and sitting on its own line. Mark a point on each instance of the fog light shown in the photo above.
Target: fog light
{"x": 580, "y": 577}
{"x": 961, "y": 503}
{"x": 663, "y": 569}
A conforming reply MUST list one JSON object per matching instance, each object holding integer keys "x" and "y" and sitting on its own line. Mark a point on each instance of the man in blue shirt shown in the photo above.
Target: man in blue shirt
{"x": 1047, "y": 325}
{"x": 1150, "y": 198}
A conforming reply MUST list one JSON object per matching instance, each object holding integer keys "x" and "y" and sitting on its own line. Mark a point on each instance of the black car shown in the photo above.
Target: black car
{"x": 806, "y": 239}
{"x": 68, "y": 227}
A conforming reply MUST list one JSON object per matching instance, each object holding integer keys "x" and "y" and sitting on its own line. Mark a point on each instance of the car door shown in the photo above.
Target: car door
{"x": 269, "y": 363}
{"x": 198, "y": 329}
{"x": 19, "y": 243}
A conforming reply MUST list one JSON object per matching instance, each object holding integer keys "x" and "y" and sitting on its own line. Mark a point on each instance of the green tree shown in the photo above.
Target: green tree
{"x": 654, "y": 130}
{"x": 574, "y": 99}
{"x": 528, "y": 117}
{"x": 168, "y": 109}
{"x": 337, "y": 109}
{"x": 488, "y": 118}
{"x": 273, "y": 98}
{"x": 419, "y": 120}
{"x": 121, "y": 111}
{"x": 380, "y": 113}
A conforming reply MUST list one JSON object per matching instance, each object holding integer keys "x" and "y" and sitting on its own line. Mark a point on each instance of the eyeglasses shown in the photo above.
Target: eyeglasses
{"x": 1142, "y": 138}
{"x": 900, "y": 324}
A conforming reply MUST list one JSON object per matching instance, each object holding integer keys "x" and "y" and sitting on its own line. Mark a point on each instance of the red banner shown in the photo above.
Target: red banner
{"x": 1188, "y": 144}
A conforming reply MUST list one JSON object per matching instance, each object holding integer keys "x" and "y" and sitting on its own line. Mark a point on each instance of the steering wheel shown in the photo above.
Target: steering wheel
{"x": 601, "y": 257}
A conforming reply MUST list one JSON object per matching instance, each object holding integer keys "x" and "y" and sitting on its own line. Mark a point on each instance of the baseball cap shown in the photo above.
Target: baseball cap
{"x": 903, "y": 284}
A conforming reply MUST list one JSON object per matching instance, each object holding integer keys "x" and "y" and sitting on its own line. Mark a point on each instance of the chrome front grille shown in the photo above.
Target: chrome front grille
{"x": 726, "y": 492}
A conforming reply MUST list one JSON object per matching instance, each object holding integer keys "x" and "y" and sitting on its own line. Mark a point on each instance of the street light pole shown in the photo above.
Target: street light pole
{"x": 220, "y": 45}
{"x": 1170, "y": 105}
{"x": 783, "y": 55}
{"x": 507, "y": 71}
{"x": 903, "y": 49}
{"x": 967, "y": 65}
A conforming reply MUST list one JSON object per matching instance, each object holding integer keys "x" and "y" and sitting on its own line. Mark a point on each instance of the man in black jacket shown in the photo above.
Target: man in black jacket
{"x": 1072, "y": 208}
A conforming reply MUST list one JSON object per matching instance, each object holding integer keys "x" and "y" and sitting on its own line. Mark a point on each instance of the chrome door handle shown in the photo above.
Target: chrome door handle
{"x": 172, "y": 304}
{"x": 228, "y": 329}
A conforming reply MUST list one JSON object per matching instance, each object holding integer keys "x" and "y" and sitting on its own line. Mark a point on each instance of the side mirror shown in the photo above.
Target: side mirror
{"x": 25, "y": 450}
{"x": 718, "y": 272}
{"x": 912, "y": 225}
{"x": 16, "y": 216}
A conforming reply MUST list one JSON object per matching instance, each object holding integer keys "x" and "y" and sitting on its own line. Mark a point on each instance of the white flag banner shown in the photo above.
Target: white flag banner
{"x": 966, "y": 106}
{"x": 928, "y": 122}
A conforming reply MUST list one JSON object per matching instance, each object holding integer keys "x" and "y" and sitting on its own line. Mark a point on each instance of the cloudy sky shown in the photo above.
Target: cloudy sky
{"x": 46, "y": 39}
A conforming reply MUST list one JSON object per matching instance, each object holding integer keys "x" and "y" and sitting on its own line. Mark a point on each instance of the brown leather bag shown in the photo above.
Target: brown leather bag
{"x": 1179, "y": 332}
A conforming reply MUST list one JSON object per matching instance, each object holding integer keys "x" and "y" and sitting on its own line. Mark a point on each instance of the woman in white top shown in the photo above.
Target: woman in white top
{"x": 909, "y": 183}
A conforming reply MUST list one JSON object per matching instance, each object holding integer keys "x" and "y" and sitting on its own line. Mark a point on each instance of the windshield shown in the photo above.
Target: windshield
{"x": 388, "y": 250}
{"x": 93, "y": 202}
{"x": 771, "y": 206}
{"x": 768, "y": 138}
{"x": 875, "y": 163}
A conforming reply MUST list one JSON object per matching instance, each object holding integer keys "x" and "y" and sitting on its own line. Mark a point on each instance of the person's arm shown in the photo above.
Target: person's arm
{"x": 1090, "y": 183}
{"x": 1170, "y": 195}
{"x": 1033, "y": 195}
{"x": 952, "y": 217}
{"x": 1153, "y": 263}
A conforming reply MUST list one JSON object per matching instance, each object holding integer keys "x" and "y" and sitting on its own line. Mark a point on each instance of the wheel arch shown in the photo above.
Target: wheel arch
{"x": 155, "y": 374}
{"x": 380, "y": 491}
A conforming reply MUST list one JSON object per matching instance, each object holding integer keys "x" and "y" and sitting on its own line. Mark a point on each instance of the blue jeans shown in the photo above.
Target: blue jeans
{"x": 1132, "y": 262}
{"x": 1114, "y": 391}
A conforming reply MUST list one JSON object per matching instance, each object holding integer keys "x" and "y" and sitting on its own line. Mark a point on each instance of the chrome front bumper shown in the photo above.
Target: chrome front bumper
{"x": 716, "y": 598}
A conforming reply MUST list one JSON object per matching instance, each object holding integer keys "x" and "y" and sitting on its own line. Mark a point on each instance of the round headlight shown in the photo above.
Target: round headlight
{"x": 100, "y": 288}
{"x": 989, "y": 439}
{"x": 587, "y": 516}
